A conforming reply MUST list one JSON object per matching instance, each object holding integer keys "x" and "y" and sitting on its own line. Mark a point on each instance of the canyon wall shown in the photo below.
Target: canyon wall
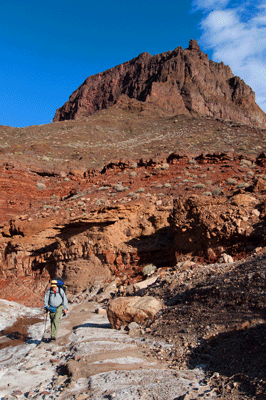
{"x": 103, "y": 225}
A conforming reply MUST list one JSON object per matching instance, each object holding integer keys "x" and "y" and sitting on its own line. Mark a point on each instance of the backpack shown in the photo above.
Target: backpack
{"x": 61, "y": 284}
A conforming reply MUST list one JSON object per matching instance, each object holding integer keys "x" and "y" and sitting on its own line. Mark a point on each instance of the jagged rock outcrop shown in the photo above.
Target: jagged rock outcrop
{"x": 176, "y": 82}
{"x": 86, "y": 251}
{"x": 212, "y": 226}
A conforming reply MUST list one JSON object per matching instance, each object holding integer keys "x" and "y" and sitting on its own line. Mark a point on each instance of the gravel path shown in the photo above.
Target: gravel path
{"x": 92, "y": 361}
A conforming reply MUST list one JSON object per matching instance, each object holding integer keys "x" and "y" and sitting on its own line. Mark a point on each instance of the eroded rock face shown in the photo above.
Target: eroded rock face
{"x": 89, "y": 232}
{"x": 86, "y": 251}
{"x": 124, "y": 310}
{"x": 210, "y": 226}
{"x": 175, "y": 82}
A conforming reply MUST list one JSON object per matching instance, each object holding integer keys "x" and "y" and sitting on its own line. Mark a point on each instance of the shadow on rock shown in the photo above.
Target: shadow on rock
{"x": 237, "y": 355}
{"x": 91, "y": 325}
{"x": 36, "y": 341}
{"x": 156, "y": 248}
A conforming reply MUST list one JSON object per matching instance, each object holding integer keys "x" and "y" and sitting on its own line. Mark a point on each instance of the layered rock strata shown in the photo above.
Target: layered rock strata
{"x": 107, "y": 225}
{"x": 176, "y": 82}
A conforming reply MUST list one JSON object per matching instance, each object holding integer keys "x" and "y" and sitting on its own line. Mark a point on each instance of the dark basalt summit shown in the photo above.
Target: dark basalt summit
{"x": 176, "y": 82}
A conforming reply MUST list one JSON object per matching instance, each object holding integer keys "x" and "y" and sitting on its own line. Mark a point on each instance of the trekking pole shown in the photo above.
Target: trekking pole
{"x": 45, "y": 323}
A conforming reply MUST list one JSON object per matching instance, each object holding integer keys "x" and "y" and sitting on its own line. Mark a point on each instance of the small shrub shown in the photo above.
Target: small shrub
{"x": 164, "y": 166}
{"x": 140, "y": 190}
{"x": 242, "y": 185}
{"x": 41, "y": 186}
{"x": 167, "y": 185}
{"x": 217, "y": 191}
{"x": 149, "y": 269}
{"x": 199, "y": 186}
{"x": 246, "y": 163}
{"x": 54, "y": 197}
{"x": 103, "y": 188}
{"x": 231, "y": 181}
{"x": 207, "y": 193}
{"x": 119, "y": 187}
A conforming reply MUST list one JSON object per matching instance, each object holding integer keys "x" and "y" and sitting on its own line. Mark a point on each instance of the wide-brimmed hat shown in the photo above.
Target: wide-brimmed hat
{"x": 53, "y": 283}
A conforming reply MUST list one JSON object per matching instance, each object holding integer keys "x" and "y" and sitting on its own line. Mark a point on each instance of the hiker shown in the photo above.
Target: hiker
{"x": 56, "y": 303}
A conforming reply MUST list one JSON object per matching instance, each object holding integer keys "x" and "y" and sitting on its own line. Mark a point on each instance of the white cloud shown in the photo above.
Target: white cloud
{"x": 218, "y": 20}
{"x": 237, "y": 36}
{"x": 209, "y": 4}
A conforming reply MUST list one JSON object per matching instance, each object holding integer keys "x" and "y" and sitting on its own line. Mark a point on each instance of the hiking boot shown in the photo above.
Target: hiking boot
{"x": 53, "y": 338}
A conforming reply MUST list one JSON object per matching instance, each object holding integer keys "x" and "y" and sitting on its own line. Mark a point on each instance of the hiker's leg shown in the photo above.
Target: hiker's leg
{"x": 52, "y": 319}
{"x": 56, "y": 320}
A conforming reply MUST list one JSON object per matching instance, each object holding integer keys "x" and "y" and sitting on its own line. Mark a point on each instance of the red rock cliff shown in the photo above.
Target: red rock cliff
{"x": 176, "y": 82}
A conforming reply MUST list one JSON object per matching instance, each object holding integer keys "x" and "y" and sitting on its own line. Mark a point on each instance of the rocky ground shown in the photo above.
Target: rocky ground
{"x": 118, "y": 190}
{"x": 215, "y": 317}
{"x": 207, "y": 341}
{"x": 122, "y": 131}
{"x": 89, "y": 360}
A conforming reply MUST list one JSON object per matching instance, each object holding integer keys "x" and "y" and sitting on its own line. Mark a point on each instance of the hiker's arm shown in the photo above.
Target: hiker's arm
{"x": 65, "y": 303}
{"x": 46, "y": 299}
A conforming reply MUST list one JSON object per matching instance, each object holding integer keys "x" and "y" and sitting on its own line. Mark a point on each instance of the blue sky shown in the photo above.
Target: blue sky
{"x": 48, "y": 48}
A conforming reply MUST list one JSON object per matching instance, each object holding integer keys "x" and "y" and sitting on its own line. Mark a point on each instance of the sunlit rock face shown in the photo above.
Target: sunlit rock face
{"x": 176, "y": 82}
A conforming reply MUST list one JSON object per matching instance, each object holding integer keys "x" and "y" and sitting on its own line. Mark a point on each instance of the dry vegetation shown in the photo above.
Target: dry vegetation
{"x": 124, "y": 133}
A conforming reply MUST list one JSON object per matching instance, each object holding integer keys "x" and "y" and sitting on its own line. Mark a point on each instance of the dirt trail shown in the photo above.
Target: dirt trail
{"x": 90, "y": 360}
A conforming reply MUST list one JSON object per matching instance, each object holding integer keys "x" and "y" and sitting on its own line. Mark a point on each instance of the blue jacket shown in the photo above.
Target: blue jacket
{"x": 55, "y": 299}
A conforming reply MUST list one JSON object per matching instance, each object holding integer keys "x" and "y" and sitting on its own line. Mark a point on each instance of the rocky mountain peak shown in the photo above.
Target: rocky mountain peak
{"x": 179, "y": 82}
{"x": 193, "y": 45}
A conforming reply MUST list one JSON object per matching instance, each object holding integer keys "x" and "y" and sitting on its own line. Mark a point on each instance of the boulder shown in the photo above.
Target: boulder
{"x": 225, "y": 258}
{"x": 124, "y": 310}
{"x": 144, "y": 284}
